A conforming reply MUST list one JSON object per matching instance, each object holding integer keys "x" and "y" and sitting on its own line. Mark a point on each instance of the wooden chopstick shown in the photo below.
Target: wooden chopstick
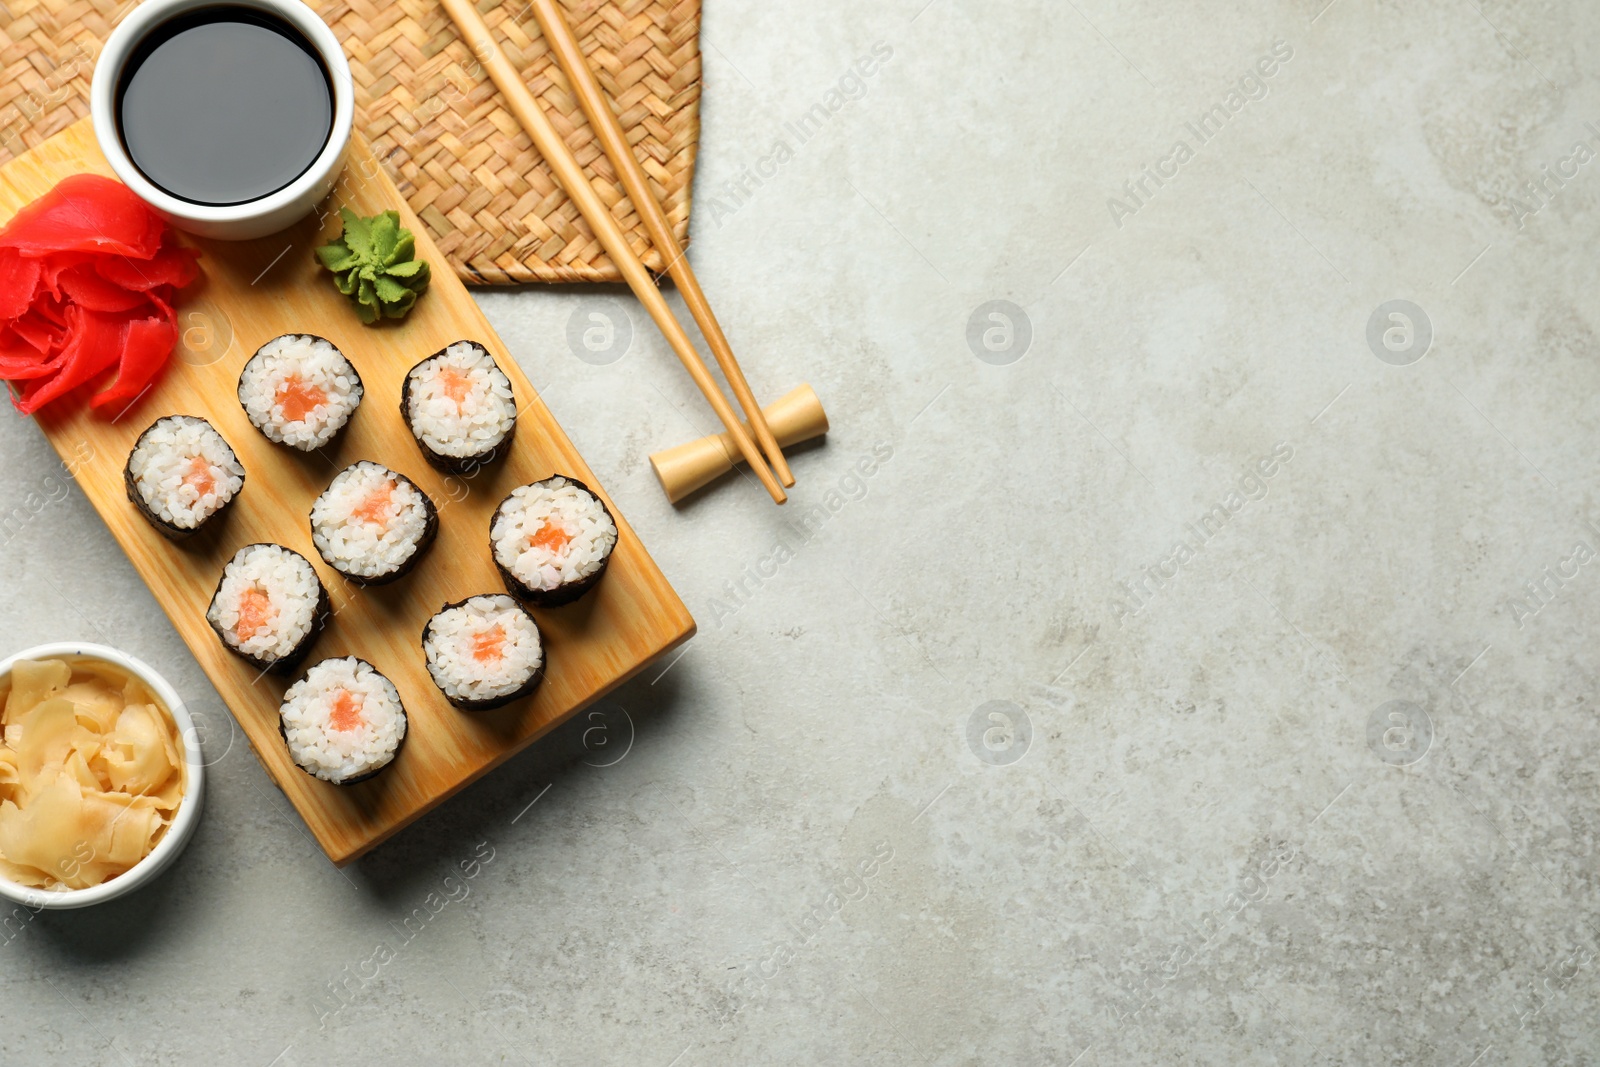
{"x": 592, "y": 98}
{"x": 569, "y": 172}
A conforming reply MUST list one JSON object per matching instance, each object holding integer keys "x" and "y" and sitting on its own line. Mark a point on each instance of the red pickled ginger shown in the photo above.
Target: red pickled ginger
{"x": 88, "y": 278}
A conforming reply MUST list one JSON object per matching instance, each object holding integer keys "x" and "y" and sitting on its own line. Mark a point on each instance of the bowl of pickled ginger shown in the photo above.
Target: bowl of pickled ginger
{"x": 101, "y": 775}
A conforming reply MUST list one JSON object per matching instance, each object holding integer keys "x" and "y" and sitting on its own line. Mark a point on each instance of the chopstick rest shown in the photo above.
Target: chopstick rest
{"x": 797, "y": 416}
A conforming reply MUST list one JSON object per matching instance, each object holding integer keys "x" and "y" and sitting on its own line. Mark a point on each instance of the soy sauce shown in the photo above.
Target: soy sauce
{"x": 224, "y": 105}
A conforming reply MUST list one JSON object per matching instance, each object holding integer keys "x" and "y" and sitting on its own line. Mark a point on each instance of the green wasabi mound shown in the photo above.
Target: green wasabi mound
{"x": 374, "y": 263}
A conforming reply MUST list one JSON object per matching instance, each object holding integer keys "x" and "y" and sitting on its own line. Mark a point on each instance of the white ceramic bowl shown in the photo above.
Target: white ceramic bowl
{"x": 233, "y": 222}
{"x": 183, "y": 823}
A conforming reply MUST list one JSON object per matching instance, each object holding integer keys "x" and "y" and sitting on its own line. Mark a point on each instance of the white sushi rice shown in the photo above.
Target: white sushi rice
{"x": 456, "y": 635}
{"x": 357, "y": 545}
{"x": 314, "y": 362}
{"x": 558, "y": 502}
{"x": 472, "y": 426}
{"x": 320, "y": 742}
{"x": 164, "y": 470}
{"x": 293, "y": 592}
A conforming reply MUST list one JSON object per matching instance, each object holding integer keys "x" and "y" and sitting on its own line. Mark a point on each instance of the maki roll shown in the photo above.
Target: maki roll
{"x": 269, "y": 607}
{"x": 551, "y": 541}
{"x": 484, "y": 652}
{"x": 372, "y": 524}
{"x": 181, "y": 474}
{"x": 343, "y": 721}
{"x": 459, "y": 406}
{"x": 299, "y": 391}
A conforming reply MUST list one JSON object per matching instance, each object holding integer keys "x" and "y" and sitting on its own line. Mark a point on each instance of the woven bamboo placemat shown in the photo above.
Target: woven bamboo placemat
{"x": 456, "y": 154}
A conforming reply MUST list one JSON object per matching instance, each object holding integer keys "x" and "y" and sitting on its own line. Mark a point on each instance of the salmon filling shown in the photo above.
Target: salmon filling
{"x": 550, "y": 536}
{"x": 489, "y": 645}
{"x": 199, "y": 477}
{"x": 299, "y": 398}
{"x": 255, "y": 612}
{"x": 375, "y": 508}
{"x": 456, "y": 385}
{"x": 346, "y": 713}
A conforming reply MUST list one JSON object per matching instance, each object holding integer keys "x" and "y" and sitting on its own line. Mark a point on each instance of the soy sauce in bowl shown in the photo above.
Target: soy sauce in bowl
{"x": 224, "y": 105}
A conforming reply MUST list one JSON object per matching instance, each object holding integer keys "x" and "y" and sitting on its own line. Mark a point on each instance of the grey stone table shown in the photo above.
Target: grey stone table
{"x": 1189, "y": 656}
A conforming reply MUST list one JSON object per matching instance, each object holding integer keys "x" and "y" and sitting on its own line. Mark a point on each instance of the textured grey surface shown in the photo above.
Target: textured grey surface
{"x": 1212, "y": 843}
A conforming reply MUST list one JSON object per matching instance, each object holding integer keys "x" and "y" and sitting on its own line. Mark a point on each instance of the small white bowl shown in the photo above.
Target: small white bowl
{"x": 183, "y": 823}
{"x": 232, "y": 222}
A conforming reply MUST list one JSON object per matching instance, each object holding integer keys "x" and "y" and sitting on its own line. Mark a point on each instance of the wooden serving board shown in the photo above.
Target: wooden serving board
{"x": 254, "y": 291}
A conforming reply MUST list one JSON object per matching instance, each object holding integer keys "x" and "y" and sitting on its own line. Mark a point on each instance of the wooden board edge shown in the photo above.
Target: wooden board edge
{"x": 688, "y": 631}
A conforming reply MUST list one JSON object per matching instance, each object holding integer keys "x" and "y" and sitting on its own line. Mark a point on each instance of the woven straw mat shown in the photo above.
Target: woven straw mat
{"x": 432, "y": 115}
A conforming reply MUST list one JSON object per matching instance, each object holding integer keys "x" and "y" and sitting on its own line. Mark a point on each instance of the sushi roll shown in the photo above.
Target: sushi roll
{"x": 269, "y": 607}
{"x": 299, "y": 391}
{"x": 343, "y": 721}
{"x": 372, "y": 524}
{"x": 459, "y": 406}
{"x": 181, "y": 474}
{"x": 551, "y": 541}
{"x": 484, "y": 652}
